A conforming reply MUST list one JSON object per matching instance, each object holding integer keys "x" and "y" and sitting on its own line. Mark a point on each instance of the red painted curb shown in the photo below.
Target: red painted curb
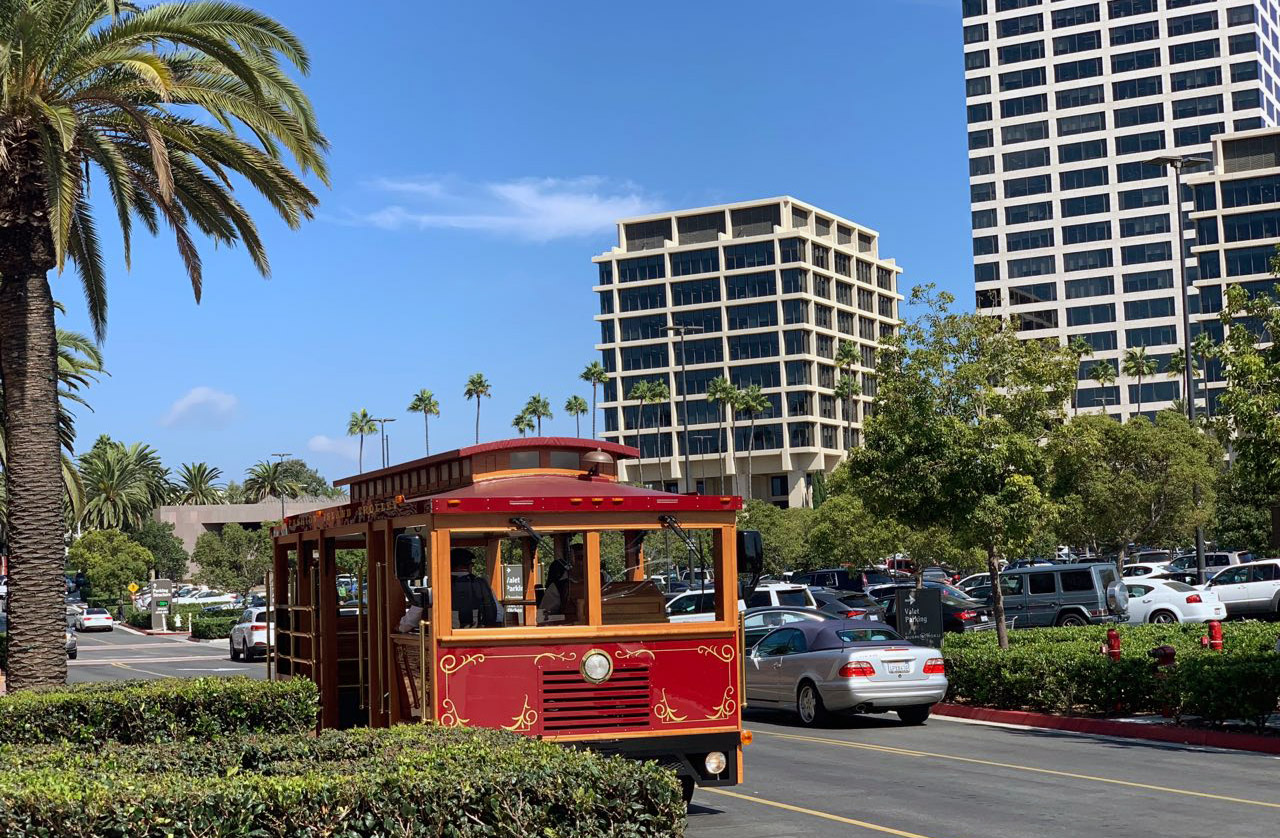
{"x": 1111, "y": 727}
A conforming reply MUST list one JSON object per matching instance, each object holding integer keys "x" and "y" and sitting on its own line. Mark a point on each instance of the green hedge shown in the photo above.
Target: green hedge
{"x": 412, "y": 780}
{"x": 213, "y": 628}
{"x": 142, "y": 619}
{"x": 157, "y": 711}
{"x": 1060, "y": 670}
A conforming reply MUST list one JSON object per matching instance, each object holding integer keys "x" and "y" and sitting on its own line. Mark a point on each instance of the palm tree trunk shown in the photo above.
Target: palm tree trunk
{"x": 724, "y": 453}
{"x": 593, "y": 411}
{"x": 362, "y": 453}
{"x": 577, "y": 426}
{"x": 1139, "y": 394}
{"x": 426, "y": 433}
{"x": 477, "y": 420}
{"x": 730, "y": 447}
{"x": 28, "y": 367}
{"x": 640, "y": 441}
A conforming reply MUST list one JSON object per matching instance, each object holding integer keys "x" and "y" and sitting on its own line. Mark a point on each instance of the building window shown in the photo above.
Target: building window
{"x": 706, "y": 319}
{"x": 1137, "y": 88}
{"x": 1140, "y": 143}
{"x": 1079, "y": 97}
{"x": 1022, "y": 79}
{"x": 1083, "y": 68}
{"x": 1014, "y": 53}
{"x": 1041, "y": 292}
{"x": 755, "y": 221}
{"x": 844, "y": 262}
{"x": 822, "y": 286}
{"x": 1094, "y": 286}
{"x": 1195, "y": 79}
{"x": 1124, "y": 8}
{"x": 1149, "y": 196}
{"x": 1197, "y": 106}
{"x": 1250, "y": 260}
{"x": 826, "y": 346}
{"x": 746, "y": 347}
{"x": 1146, "y": 225}
{"x": 1088, "y": 315}
{"x": 797, "y": 374}
{"x": 1027, "y": 240}
{"x": 794, "y": 281}
{"x": 1085, "y": 205}
{"x": 1025, "y": 133}
{"x": 647, "y": 327}
{"x": 800, "y": 435}
{"x": 791, "y": 250}
{"x": 1134, "y": 33}
{"x": 763, "y": 375}
{"x": 1028, "y": 213}
{"x": 743, "y": 286}
{"x": 1086, "y": 260}
{"x": 980, "y": 192}
{"x": 1021, "y": 187}
{"x": 1081, "y": 124}
{"x": 756, "y": 255}
{"x": 1083, "y": 178}
{"x": 1094, "y": 231}
{"x": 698, "y": 229}
{"x": 1084, "y": 150}
{"x": 606, "y": 302}
{"x": 704, "y": 351}
{"x": 985, "y": 245}
{"x": 1136, "y": 283}
{"x": 695, "y": 292}
{"x": 1077, "y": 42}
{"x": 1191, "y": 24}
{"x": 1019, "y": 106}
{"x": 1148, "y": 309}
{"x": 1127, "y": 62}
{"x": 1034, "y": 321}
{"x": 639, "y": 299}
{"x": 1077, "y": 16}
{"x": 796, "y": 342}
{"x": 642, "y": 268}
{"x": 695, "y": 262}
{"x": 977, "y": 60}
{"x": 752, "y": 316}
{"x": 606, "y": 273}
{"x": 1196, "y": 134}
{"x": 1194, "y": 51}
{"x": 1150, "y": 336}
{"x": 1139, "y": 115}
{"x": 884, "y": 279}
{"x": 644, "y": 357}
{"x": 796, "y": 311}
{"x": 1012, "y": 27}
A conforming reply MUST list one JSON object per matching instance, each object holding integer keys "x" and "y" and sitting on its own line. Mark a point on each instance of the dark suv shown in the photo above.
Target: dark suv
{"x": 1066, "y": 595}
{"x": 841, "y": 579}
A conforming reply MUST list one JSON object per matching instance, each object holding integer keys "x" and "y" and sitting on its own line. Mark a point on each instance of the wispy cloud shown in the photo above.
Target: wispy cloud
{"x": 201, "y": 406}
{"x": 537, "y": 209}
{"x": 342, "y": 446}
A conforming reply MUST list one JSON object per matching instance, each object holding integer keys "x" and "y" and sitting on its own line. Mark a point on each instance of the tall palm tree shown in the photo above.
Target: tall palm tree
{"x": 752, "y": 402}
{"x": 847, "y": 356}
{"x": 539, "y": 408}
{"x": 848, "y": 389}
{"x": 595, "y": 375}
{"x": 165, "y": 107}
{"x": 361, "y": 424}
{"x": 722, "y": 393}
{"x": 424, "y": 402}
{"x": 1081, "y": 349}
{"x": 477, "y": 388}
{"x": 658, "y": 393}
{"x": 197, "y": 485}
{"x": 640, "y": 392}
{"x": 266, "y": 479}
{"x": 523, "y": 423}
{"x": 576, "y": 406}
{"x": 1105, "y": 374}
{"x": 1177, "y": 369}
{"x": 1138, "y": 365}
{"x": 122, "y": 484}
{"x": 1202, "y": 346}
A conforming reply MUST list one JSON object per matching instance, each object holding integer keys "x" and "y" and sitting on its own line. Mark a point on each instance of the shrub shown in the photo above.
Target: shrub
{"x": 1219, "y": 688}
{"x": 412, "y": 780}
{"x": 213, "y": 628}
{"x": 157, "y": 711}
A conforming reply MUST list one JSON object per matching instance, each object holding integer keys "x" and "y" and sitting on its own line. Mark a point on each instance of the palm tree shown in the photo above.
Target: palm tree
{"x": 595, "y": 375}
{"x": 722, "y": 393}
{"x": 523, "y": 422}
{"x": 1177, "y": 367}
{"x": 424, "y": 402}
{"x": 848, "y": 389}
{"x": 753, "y": 402}
{"x": 1138, "y": 365}
{"x": 266, "y": 479}
{"x": 847, "y": 356}
{"x": 1202, "y": 346}
{"x": 122, "y": 484}
{"x": 361, "y": 424}
{"x": 1105, "y": 374}
{"x": 197, "y": 485}
{"x": 640, "y": 392}
{"x": 538, "y": 408}
{"x": 165, "y": 107}
{"x": 477, "y": 388}
{"x": 659, "y": 392}
{"x": 1081, "y": 349}
{"x": 576, "y": 406}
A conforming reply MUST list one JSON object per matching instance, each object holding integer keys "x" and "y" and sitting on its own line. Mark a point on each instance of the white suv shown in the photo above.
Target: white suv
{"x": 699, "y": 606}
{"x": 1249, "y": 589}
{"x": 251, "y": 635}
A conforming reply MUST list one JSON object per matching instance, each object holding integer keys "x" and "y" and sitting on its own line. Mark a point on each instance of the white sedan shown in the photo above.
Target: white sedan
{"x": 95, "y": 619}
{"x": 206, "y": 598}
{"x": 1167, "y": 601}
{"x": 1143, "y": 569}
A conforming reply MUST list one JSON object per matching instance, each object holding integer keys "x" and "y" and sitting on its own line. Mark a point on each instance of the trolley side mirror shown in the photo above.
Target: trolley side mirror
{"x": 750, "y": 552}
{"x": 408, "y": 556}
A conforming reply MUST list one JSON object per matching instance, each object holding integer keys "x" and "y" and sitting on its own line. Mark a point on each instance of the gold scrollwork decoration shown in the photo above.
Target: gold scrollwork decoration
{"x": 449, "y": 717}
{"x": 727, "y": 706}
{"x": 555, "y": 656}
{"x": 665, "y": 713}
{"x": 450, "y": 664}
{"x": 724, "y": 653}
{"x": 626, "y": 654}
{"x": 523, "y": 721}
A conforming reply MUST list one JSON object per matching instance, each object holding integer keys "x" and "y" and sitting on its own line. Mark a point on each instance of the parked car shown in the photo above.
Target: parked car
{"x": 1251, "y": 589}
{"x": 848, "y": 605}
{"x": 1064, "y": 595}
{"x": 842, "y": 579}
{"x": 1019, "y": 564}
{"x": 970, "y": 582}
{"x": 4, "y": 587}
{"x": 97, "y": 619}
{"x": 1150, "y": 557}
{"x": 1165, "y": 601}
{"x": 73, "y": 645}
{"x": 757, "y": 622}
{"x": 817, "y": 668}
{"x": 252, "y": 635}
{"x": 1143, "y": 569}
{"x": 699, "y": 605}
{"x": 939, "y": 574}
{"x": 959, "y": 612}
{"x": 206, "y": 598}
{"x": 1217, "y": 559}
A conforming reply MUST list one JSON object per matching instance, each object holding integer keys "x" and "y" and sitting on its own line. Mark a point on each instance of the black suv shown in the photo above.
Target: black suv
{"x": 841, "y": 579}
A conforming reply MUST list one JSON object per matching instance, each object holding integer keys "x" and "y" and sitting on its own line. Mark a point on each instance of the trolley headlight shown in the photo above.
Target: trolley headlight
{"x": 597, "y": 666}
{"x": 715, "y": 762}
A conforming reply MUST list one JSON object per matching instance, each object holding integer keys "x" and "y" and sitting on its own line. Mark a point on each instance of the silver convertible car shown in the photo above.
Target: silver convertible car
{"x": 817, "y": 669}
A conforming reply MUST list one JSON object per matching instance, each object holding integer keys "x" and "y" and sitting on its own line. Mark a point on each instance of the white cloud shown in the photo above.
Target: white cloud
{"x": 346, "y": 447}
{"x": 201, "y": 405}
{"x": 537, "y": 209}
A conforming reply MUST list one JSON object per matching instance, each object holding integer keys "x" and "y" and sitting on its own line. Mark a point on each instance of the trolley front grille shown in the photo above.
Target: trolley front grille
{"x": 570, "y": 702}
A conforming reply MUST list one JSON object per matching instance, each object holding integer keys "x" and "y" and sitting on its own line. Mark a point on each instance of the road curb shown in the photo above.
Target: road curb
{"x": 1112, "y": 727}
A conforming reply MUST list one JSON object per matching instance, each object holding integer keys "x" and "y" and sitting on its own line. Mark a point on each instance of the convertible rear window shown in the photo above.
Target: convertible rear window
{"x": 864, "y": 635}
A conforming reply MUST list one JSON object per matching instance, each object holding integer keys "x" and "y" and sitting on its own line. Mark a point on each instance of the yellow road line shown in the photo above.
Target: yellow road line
{"x": 887, "y": 830}
{"x": 1028, "y": 768}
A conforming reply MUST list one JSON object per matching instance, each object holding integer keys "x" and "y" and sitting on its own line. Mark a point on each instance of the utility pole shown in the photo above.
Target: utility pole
{"x": 282, "y": 456}
{"x": 382, "y": 430}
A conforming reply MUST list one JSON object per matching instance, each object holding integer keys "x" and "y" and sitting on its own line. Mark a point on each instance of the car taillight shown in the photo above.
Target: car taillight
{"x": 857, "y": 669}
{"x": 854, "y": 612}
{"x": 1194, "y": 599}
{"x": 258, "y": 627}
{"x": 965, "y": 616}
{"x": 935, "y": 666}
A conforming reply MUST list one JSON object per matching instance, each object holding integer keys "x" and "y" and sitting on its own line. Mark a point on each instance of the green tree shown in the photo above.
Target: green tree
{"x": 478, "y": 388}
{"x": 169, "y": 558}
{"x": 110, "y": 561}
{"x": 1242, "y": 514}
{"x": 848, "y": 389}
{"x": 234, "y": 492}
{"x": 198, "y": 485}
{"x": 1138, "y": 365}
{"x": 722, "y": 394}
{"x": 954, "y": 443}
{"x": 266, "y": 479}
{"x": 1177, "y": 368}
{"x": 847, "y": 357}
{"x": 538, "y": 408}
{"x": 361, "y": 424}
{"x": 641, "y": 392}
{"x": 311, "y": 483}
{"x": 783, "y": 531}
{"x": 1105, "y": 374}
{"x": 122, "y": 484}
{"x": 576, "y": 406}
{"x": 752, "y": 402}
{"x": 164, "y": 107}
{"x": 424, "y": 402}
{"x": 234, "y": 560}
{"x": 595, "y": 375}
{"x": 657, "y": 393}
{"x": 845, "y": 533}
{"x": 523, "y": 423}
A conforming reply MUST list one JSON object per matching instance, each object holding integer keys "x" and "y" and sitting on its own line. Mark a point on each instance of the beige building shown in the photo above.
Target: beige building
{"x": 190, "y": 521}
{"x": 766, "y": 292}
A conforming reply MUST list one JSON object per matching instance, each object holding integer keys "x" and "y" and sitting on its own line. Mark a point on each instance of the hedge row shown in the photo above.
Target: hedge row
{"x": 1248, "y": 636}
{"x": 142, "y": 619}
{"x": 213, "y": 628}
{"x": 412, "y": 780}
{"x": 157, "y": 711}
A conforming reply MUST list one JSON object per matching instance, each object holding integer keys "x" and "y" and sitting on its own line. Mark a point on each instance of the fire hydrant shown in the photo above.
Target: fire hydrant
{"x": 1215, "y": 635}
{"x": 1113, "y": 644}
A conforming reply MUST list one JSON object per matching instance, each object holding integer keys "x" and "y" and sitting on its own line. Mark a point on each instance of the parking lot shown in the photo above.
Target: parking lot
{"x": 121, "y": 654}
{"x": 953, "y": 779}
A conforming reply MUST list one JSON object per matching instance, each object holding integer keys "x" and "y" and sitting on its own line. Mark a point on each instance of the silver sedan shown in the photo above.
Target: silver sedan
{"x": 817, "y": 669}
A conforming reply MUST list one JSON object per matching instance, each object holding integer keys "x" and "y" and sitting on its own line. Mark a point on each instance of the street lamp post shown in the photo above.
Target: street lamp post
{"x": 382, "y": 433}
{"x": 282, "y": 456}
{"x": 684, "y": 402}
{"x": 1177, "y": 164}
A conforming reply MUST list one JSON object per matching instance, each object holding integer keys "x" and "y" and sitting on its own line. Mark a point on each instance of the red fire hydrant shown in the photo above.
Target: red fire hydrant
{"x": 1113, "y": 644}
{"x": 1215, "y": 635}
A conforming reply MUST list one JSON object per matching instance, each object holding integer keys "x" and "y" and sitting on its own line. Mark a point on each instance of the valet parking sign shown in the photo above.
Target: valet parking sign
{"x": 920, "y": 615}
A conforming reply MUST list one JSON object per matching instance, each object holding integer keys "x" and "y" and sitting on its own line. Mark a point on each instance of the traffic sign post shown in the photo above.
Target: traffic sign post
{"x": 161, "y": 594}
{"x": 920, "y": 615}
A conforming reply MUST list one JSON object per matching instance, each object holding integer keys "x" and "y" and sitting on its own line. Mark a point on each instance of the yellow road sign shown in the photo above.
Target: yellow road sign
{"x": 133, "y": 587}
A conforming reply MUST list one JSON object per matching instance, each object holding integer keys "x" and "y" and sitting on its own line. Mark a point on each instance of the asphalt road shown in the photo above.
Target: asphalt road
{"x": 952, "y": 779}
{"x": 121, "y": 654}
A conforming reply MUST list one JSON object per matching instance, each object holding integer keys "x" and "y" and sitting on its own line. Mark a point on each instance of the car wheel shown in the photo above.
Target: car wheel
{"x": 915, "y": 715}
{"x": 1162, "y": 617}
{"x": 248, "y": 653}
{"x": 235, "y": 653}
{"x": 1071, "y": 619}
{"x": 686, "y": 789}
{"x": 809, "y": 706}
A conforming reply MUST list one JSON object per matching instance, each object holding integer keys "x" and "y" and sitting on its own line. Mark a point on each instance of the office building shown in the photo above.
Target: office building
{"x": 1068, "y": 101}
{"x": 767, "y": 292}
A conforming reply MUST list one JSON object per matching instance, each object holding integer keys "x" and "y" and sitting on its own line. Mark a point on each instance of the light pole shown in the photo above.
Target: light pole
{"x": 1177, "y": 164}
{"x": 382, "y": 432}
{"x": 282, "y": 456}
{"x": 684, "y": 402}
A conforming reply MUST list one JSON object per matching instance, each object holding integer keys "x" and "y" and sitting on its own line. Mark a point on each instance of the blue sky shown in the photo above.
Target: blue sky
{"x": 481, "y": 152}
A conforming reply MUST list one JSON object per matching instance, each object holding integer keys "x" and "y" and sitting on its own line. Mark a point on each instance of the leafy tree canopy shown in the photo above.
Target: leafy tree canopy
{"x": 235, "y": 559}
{"x": 110, "y": 561}
{"x": 169, "y": 558}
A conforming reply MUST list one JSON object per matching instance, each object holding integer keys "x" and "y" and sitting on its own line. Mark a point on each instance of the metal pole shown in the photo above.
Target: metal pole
{"x": 282, "y": 456}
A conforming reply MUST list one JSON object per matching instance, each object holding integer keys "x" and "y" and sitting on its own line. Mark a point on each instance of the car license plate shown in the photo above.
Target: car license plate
{"x": 897, "y": 668}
